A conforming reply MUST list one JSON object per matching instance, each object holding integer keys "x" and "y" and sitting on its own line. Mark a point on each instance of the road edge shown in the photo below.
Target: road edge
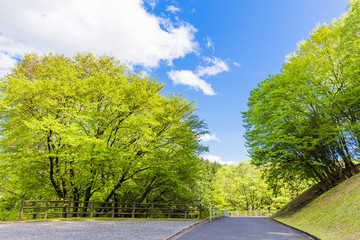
{"x": 306, "y": 233}
{"x": 185, "y": 230}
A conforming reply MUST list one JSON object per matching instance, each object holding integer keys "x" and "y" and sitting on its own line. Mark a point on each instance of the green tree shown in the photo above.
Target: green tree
{"x": 243, "y": 186}
{"x": 85, "y": 128}
{"x": 305, "y": 119}
{"x": 239, "y": 187}
{"x": 204, "y": 185}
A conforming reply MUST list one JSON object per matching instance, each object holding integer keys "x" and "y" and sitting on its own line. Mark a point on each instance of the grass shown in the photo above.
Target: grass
{"x": 334, "y": 215}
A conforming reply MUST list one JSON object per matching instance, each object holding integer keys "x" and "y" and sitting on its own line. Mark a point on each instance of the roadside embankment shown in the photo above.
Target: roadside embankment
{"x": 333, "y": 215}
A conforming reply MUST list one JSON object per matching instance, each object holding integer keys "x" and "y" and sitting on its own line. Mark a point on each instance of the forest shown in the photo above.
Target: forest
{"x": 85, "y": 129}
{"x": 88, "y": 128}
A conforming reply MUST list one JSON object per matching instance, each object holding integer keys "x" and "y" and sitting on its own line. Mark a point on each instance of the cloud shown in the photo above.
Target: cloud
{"x": 172, "y": 9}
{"x": 237, "y": 64}
{"x": 122, "y": 28}
{"x": 188, "y": 78}
{"x": 152, "y": 3}
{"x": 9, "y": 52}
{"x": 210, "y": 43}
{"x": 6, "y": 62}
{"x": 207, "y": 137}
{"x": 218, "y": 159}
{"x": 193, "y": 79}
{"x": 217, "y": 67}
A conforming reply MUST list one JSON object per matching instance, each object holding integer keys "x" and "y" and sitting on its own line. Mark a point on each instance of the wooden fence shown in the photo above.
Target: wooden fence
{"x": 113, "y": 209}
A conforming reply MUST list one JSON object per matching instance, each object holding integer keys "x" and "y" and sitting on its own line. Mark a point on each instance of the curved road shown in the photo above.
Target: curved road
{"x": 243, "y": 228}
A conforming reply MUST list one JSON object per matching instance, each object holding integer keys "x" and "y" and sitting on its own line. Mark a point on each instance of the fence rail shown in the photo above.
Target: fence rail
{"x": 251, "y": 213}
{"x": 68, "y": 208}
{"x": 217, "y": 213}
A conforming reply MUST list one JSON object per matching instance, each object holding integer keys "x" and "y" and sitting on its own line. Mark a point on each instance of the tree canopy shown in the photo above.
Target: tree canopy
{"x": 305, "y": 120}
{"x": 242, "y": 187}
{"x": 86, "y": 128}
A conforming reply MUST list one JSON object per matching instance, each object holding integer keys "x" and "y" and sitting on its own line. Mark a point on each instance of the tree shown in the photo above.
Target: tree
{"x": 204, "y": 185}
{"x": 242, "y": 186}
{"x": 85, "y": 128}
{"x": 239, "y": 187}
{"x": 305, "y": 120}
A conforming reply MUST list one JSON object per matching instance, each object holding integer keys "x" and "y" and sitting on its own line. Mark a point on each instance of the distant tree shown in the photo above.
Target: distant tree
{"x": 204, "y": 185}
{"x": 242, "y": 187}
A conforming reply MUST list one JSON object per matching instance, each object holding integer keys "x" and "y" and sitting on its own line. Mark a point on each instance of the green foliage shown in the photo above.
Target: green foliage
{"x": 304, "y": 122}
{"x": 208, "y": 171}
{"x": 242, "y": 187}
{"x": 84, "y": 128}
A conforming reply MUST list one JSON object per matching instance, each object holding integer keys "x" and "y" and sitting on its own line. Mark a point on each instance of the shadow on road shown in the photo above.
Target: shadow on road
{"x": 243, "y": 228}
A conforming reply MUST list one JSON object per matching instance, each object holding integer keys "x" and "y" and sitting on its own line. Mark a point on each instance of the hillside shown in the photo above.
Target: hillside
{"x": 334, "y": 215}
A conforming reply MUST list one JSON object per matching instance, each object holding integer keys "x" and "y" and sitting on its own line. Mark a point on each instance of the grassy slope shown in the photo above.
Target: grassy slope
{"x": 335, "y": 215}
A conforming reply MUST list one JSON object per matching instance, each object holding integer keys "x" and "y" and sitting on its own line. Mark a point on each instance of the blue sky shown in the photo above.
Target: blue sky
{"x": 212, "y": 52}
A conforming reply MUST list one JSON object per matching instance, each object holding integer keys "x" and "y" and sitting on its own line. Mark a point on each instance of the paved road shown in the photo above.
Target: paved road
{"x": 243, "y": 228}
{"x": 92, "y": 230}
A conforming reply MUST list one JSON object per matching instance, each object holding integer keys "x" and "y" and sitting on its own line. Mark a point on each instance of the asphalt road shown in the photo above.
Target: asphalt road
{"x": 243, "y": 228}
{"x": 92, "y": 230}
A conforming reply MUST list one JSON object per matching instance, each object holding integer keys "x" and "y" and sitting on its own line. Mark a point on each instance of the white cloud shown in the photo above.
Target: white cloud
{"x": 122, "y": 28}
{"x": 152, "y": 3}
{"x": 5, "y": 63}
{"x": 188, "y": 78}
{"x": 210, "y": 43}
{"x": 172, "y": 9}
{"x": 217, "y": 67}
{"x": 207, "y": 137}
{"x": 193, "y": 80}
{"x": 237, "y": 64}
{"x": 9, "y": 52}
{"x": 218, "y": 159}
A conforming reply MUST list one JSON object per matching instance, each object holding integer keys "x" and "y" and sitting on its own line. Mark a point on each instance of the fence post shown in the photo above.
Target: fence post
{"x": 21, "y": 209}
{"x": 68, "y": 209}
{"x": 133, "y": 210}
{"x": 124, "y": 209}
{"x": 185, "y": 213}
{"x": 152, "y": 210}
{"x": 92, "y": 209}
{"x": 169, "y": 210}
{"x": 200, "y": 211}
{"x": 113, "y": 209}
{"x": 46, "y": 208}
